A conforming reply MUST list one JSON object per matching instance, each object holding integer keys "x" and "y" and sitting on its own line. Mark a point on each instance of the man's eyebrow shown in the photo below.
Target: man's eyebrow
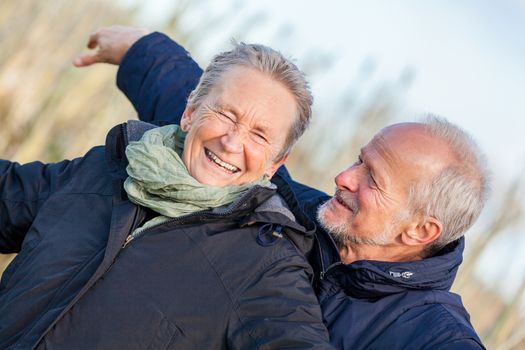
{"x": 363, "y": 155}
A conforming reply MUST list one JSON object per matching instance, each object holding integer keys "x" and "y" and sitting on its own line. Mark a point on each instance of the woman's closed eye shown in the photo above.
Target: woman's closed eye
{"x": 226, "y": 117}
{"x": 259, "y": 137}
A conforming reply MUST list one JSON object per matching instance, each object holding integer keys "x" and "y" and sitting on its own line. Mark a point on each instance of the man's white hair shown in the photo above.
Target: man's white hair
{"x": 456, "y": 194}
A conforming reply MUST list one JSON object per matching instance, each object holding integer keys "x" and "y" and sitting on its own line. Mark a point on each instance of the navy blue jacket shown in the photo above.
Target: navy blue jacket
{"x": 366, "y": 304}
{"x": 215, "y": 279}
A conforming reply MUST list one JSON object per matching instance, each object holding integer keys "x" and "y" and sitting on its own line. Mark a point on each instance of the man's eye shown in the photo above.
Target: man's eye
{"x": 358, "y": 160}
{"x": 372, "y": 181}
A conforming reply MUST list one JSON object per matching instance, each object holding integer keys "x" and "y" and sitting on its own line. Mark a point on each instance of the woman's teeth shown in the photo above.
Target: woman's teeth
{"x": 220, "y": 163}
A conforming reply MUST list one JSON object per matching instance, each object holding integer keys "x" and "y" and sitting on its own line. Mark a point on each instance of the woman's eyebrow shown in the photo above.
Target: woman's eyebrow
{"x": 227, "y": 107}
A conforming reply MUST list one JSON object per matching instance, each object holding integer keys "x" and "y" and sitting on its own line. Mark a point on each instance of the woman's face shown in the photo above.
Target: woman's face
{"x": 238, "y": 130}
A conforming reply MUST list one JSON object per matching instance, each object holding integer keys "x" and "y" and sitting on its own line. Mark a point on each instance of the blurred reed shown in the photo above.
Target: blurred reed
{"x": 50, "y": 110}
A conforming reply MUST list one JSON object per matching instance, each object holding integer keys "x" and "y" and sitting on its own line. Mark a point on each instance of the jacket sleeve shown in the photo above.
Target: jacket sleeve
{"x": 157, "y": 75}
{"x": 23, "y": 188}
{"x": 278, "y": 309}
{"x": 308, "y": 197}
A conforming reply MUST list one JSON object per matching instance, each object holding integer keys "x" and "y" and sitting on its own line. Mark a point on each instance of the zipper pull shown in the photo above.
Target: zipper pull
{"x": 322, "y": 274}
{"x": 128, "y": 239}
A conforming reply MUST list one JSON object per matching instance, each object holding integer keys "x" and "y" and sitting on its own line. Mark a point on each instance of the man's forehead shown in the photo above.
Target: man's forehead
{"x": 410, "y": 145}
{"x": 403, "y": 135}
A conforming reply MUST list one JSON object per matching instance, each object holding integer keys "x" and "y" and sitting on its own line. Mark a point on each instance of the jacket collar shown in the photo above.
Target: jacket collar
{"x": 117, "y": 140}
{"x": 370, "y": 279}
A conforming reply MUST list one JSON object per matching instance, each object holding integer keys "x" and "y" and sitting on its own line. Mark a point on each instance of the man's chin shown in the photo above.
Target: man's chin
{"x": 339, "y": 229}
{"x": 332, "y": 223}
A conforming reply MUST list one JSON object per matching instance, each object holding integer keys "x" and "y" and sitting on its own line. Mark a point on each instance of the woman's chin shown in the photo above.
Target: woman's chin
{"x": 218, "y": 180}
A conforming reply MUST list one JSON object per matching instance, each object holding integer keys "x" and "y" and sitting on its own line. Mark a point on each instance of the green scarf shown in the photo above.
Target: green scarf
{"x": 159, "y": 180}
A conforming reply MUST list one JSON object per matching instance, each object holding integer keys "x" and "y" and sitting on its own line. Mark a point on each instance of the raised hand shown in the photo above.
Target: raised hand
{"x": 111, "y": 43}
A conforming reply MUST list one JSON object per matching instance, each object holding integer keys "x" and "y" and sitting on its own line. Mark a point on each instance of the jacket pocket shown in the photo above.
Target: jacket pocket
{"x": 166, "y": 336}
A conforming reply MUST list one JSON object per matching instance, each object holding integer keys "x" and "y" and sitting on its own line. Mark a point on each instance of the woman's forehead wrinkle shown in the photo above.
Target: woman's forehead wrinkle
{"x": 254, "y": 119}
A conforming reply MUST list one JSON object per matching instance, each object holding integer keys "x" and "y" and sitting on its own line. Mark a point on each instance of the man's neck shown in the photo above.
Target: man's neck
{"x": 351, "y": 252}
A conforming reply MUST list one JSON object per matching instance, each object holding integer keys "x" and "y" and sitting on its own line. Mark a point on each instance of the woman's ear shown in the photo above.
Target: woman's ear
{"x": 269, "y": 172}
{"x": 186, "y": 119}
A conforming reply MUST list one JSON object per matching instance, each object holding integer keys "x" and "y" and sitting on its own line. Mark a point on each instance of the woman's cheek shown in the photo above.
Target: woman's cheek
{"x": 256, "y": 159}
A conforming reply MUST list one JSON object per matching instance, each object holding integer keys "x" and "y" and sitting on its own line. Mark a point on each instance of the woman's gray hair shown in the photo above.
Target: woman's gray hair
{"x": 456, "y": 195}
{"x": 270, "y": 62}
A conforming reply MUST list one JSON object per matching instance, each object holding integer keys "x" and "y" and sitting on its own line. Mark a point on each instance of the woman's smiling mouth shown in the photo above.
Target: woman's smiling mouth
{"x": 219, "y": 162}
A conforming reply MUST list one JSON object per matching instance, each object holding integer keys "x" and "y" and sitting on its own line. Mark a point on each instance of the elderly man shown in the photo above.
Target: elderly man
{"x": 170, "y": 237}
{"x": 390, "y": 239}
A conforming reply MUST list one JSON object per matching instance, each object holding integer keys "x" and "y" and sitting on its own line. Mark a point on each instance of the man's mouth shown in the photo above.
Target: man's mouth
{"x": 215, "y": 159}
{"x": 346, "y": 201}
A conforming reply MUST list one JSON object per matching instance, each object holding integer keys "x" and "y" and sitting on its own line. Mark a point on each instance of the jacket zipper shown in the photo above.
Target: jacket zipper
{"x": 331, "y": 266}
{"x": 321, "y": 256}
{"x": 322, "y": 275}
{"x": 124, "y": 129}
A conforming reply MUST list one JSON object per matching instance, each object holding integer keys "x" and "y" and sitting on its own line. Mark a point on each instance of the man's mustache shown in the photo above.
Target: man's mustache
{"x": 347, "y": 199}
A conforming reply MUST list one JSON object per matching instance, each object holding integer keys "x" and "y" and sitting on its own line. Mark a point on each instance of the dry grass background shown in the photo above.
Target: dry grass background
{"x": 50, "y": 111}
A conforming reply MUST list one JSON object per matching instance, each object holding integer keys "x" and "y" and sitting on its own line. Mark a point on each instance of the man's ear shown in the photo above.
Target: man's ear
{"x": 269, "y": 173}
{"x": 423, "y": 232}
{"x": 187, "y": 118}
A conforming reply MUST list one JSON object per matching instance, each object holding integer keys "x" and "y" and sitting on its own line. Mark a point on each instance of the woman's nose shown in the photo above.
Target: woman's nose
{"x": 232, "y": 141}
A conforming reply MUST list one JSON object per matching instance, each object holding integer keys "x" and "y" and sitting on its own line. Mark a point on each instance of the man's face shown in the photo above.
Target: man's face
{"x": 370, "y": 204}
{"x": 239, "y": 129}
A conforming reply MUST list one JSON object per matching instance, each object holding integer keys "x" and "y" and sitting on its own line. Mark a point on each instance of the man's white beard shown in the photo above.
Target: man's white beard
{"x": 340, "y": 230}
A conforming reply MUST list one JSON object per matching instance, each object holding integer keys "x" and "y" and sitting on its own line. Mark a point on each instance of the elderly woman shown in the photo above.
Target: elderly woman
{"x": 170, "y": 237}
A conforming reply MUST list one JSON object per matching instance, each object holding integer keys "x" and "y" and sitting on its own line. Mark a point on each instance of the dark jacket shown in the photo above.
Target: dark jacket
{"x": 388, "y": 305}
{"x": 366, "y": 304}
{"x": 232, "y": 277}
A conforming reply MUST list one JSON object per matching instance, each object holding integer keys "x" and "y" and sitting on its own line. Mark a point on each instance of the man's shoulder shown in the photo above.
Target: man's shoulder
{"x": 409, "y": 319}
{"x": 441, "y": 319}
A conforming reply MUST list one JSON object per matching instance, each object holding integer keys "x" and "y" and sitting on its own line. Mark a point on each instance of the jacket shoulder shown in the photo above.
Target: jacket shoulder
{"x": 431, "y": 326}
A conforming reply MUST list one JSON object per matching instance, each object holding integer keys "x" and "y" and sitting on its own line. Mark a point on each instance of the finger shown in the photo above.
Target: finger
{"x": 84, "y": 60}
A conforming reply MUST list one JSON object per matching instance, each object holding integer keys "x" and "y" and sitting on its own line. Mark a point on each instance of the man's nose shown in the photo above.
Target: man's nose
{"x": 349, "y": 179}
{"x": 233, "y": 141}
